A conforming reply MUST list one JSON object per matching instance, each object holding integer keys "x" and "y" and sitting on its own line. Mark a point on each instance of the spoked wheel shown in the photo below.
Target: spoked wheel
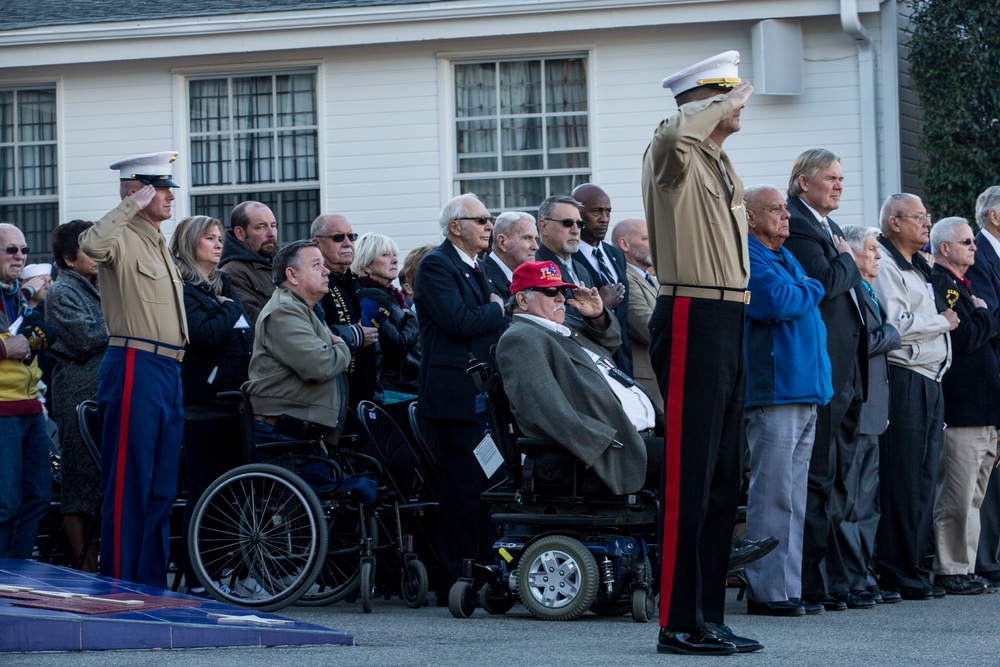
{"x": 368, "y": 586}
{"x": 257, "y": 537}
{"x": 413, "y": 584}
{"x": 461, "y": 599}
{"x": 495, "y": 601}
{"x": 557, "y": 578}
{"x": 340, "y": 574}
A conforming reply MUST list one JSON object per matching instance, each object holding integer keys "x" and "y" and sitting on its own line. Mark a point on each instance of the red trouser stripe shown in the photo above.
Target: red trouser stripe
{"x": 674, "y": 410}
{"x": 120, "y": 458}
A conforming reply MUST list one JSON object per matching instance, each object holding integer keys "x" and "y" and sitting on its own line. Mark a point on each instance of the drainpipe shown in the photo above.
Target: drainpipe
{"x": 850, "y": 21}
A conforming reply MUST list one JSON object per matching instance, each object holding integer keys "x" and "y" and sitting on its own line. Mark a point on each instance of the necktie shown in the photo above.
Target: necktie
{"x": 871, "y": 293}
{"x": 649, "y": 279}
{"x": 481, "y": 280}
{"x": 605, "y": 272}
{"x": 826, "y": 227}
{"x": 571, "y": 273}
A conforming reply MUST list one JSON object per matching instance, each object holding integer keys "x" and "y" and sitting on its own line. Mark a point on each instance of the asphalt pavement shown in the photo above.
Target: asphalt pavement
{"x": 950, "y": 631}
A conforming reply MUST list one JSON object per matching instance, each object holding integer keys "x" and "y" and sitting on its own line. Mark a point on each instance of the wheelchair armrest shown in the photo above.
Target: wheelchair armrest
{"x": 534, "y": 446}
{"x": 367, "y": 461}
{"x": 284, "y": 446}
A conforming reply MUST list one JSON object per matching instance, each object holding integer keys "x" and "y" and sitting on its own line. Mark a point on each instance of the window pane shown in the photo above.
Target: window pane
{"x": 297, "y": 153}
{"x": 521, "y": 87}
{"x": 36, "y": 222}
{"x": 522, "y": 144}
{"x": 254, "y": 158}
{"x": 477, "y": 150}
{"x": 296, "y": 100}
{"x": 563, "y": 185}
{"x": 523, "y": 193}
{"x": 37, "y": 170}
{"x": 565, "y": 85}
{"x": 210, "y": 160}
{"x": 6, "y": 171}
{"x": 475, "y": 90}
{"x": 6, "y": 116}
{"x": 252, "y": 103}
{"x": 488, "y": 191}
{"x": 567, "y": 142}
{"x": 36, "y": 115}
{"x": 209, "y": 105}
{"x": 294, "y": 210}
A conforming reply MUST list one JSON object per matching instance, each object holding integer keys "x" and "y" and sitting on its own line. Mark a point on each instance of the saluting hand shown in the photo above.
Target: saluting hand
{"x": 143, "y": 196}
{"x": 740, "y": 94}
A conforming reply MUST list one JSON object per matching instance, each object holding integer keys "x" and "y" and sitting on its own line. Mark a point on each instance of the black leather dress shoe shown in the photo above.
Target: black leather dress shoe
{"x": 960, "y": 584}
{"x": 855, "y": 599}
{"x": 923, "y": 593}
{"x": 692, "y": 642}
{"x": 725, "y": 633}
{"x": 812, "y": 608}
{"x": 890, "y": 597}
{"x": 747, "y": 551}
{"x": 777, "y": 608}
{"x": 829, "y": 603}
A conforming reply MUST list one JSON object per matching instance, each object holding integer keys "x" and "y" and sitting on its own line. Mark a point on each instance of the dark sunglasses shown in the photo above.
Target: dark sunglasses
{"x": 550, "y": 291}
{"x": 13, "y": 250}
{"x": 481, "y": 220}
{"x": 568, "y": 222}
{"x": 339, "y": 238}
{"x": 963, "y": 242}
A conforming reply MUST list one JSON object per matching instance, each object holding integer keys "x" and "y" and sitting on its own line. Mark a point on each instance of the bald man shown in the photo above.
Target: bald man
{"x": 605, "y": 262}
{"x": 631, "y": 237}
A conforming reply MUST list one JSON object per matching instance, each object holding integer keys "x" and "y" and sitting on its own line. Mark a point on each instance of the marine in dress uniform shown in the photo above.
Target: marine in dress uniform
{"x": 139, "y": 382}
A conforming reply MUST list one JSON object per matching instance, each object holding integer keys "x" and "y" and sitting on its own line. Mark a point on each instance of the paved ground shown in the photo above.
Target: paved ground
{"x": 952, "y": 631}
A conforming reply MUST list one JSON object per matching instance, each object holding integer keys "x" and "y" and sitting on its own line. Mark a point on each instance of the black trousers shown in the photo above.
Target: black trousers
{"x": 696, "y": 347}
{"x": 464, "y": 528}
{"x": 909, "y": 452}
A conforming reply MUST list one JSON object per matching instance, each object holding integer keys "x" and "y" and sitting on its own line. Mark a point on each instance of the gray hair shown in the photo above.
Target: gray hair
{"x": 943, "y": 231}
{"x": 184, "y": 248}
{"x": 507, "y": 221}
{"x": 546, "y": 207}
{"x": 856, "y": 235}
{"x": 988, "y": 201}
{"x": 370, "y": 246}
{"x": 890, "y": 208}
{"x": 454, "y": 210}
{"x": 318, "y": 226}
{"x": 752, "y": 191}
{"x": 808, "y": 164}
{"x": 287, "y": 256}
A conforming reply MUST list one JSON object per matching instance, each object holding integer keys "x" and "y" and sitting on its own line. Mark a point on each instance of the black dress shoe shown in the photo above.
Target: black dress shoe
{"x": 937, "y": 591}
{"x": 747, "y": 551}
{"x": 992, "y": 585}
{"x": 829, "y": 603}
{"x": 812, "y": 608}
{"x": 776, "y": 608}
{"x": 960, "y": 584}
{"x": 922, "y": 593}
{"x": 692, "y": 642}
{"x": 725, "y": 633}
{"x": 855, "y": 599}
{"x": 890, "y": 597}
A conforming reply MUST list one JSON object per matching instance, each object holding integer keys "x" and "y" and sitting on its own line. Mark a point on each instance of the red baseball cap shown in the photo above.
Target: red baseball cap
{"x": 537, "y": 274}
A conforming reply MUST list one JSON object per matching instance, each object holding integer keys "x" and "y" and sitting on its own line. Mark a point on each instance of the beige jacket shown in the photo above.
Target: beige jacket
{"x": 641, "y": 300}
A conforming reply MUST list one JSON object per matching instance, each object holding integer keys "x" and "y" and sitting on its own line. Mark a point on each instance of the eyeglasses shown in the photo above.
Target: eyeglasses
{"x": 923, "y": 216}
{"x": 963, "y": 241}
{"x": 13, "y": 250}
{"x": 482, "y": 220}
{"x": 568, "y": 222}
{"x": 550, "y": 291}
{"x": 339, "y": 238}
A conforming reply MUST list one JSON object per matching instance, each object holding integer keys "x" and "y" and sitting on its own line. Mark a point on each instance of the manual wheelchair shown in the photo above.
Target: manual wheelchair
{"x": 566, "y": 544}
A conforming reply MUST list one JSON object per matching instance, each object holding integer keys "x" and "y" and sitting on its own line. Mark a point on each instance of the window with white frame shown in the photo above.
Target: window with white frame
{"x": 256, "y": 137}
{"x": 29, "y": 181}
{"x": 522, "y": 130}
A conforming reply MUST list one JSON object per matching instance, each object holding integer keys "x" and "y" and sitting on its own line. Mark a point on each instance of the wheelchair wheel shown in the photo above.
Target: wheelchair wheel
{"x": 413, "y": 584}
{"x": 340, "y": 575}
{"x": 494, "y": 601}
{"x": 257, "y": 537}
{"x": 557, "y": 578}
{"x": 640, "y": 606}
{"x": 461, "y": 599}
{"x": 368, "y": 586}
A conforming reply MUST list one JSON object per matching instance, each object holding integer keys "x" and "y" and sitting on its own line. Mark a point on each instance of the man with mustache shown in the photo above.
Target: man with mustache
{"x": 246, "y": 255}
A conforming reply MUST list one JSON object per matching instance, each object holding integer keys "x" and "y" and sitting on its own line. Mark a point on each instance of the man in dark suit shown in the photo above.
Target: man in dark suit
{"x": 860, "y": 522}
{"x": 604, "y": 262}
{"x": 460, "y": 315}
{"x": 515, "y": 240}
{"x": 559, "y": 225}
{"x": 985, "y": 278}
{"x": 817, "y": 243}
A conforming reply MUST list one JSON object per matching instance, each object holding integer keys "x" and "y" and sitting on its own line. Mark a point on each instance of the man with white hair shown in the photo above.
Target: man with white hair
{"x": 515, "y": 240}
{"x": 971, "y": 411}
{"x": 910, "y": 448}
{"x": 460, "y": 315}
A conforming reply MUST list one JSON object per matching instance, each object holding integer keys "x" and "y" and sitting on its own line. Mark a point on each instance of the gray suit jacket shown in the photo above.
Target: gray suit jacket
{"x": 881, "y": 339}
{"x": 557, "y": 393}
{"x": 641, "y": 301}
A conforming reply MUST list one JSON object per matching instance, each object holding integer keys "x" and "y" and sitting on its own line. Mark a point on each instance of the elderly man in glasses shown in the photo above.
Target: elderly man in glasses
{"x": 25, "y": 476}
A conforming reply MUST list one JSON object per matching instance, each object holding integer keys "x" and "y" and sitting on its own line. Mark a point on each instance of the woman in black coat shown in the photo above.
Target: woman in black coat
{"x": 216, "y": 359}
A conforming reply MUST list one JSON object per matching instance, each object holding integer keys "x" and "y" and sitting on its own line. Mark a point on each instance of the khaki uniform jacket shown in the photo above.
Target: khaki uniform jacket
{"x": 142, "y": 294}
{"x": 296, "y": 369}
{"x": 697, "y": 227}
{"x": 641, "y": 300}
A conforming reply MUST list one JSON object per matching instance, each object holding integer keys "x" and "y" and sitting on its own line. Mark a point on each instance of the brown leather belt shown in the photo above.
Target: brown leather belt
{"x": 146, "y": 346}
{"x": 711, "y": 293}
{"x": 267, "y": 420}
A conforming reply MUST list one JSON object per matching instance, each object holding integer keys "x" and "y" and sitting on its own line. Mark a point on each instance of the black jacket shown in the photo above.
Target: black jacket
{"x": 398, "y": 343}
{"x": 217, "y": 355}
{"x": 342, "y": 313}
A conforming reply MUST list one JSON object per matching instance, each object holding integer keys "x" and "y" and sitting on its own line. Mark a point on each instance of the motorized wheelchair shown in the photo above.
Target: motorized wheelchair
{"x": 567, "y": 545}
